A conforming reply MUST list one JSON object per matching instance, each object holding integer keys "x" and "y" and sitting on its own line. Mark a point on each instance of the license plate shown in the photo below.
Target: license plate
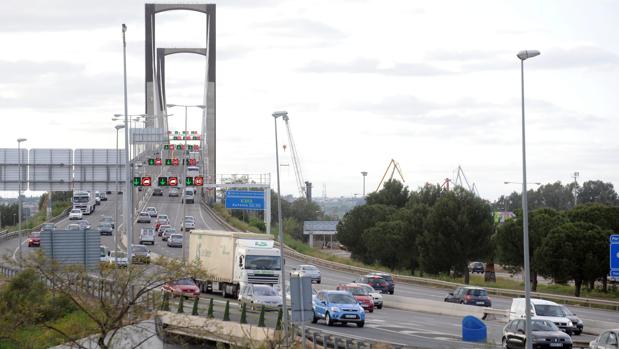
{"x": 556, "y": 345}
{"x": 480, "y": 303}
{"x": 350, "y": 316}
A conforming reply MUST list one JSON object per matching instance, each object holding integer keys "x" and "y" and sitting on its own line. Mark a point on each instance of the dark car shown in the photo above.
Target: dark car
{"x": 476, "y": 267}
{"x": 157, "y": 192}
{"x": 544, "y": 334}
{"x": 140, "y": 254}
{"x": 360, "y": 293}
{"x": 387, "y": 278}
{"x": 377, "y": 282}
{"x": 105, "y": 228}
{"x": 469, "y": 295}
{"x": 34, "y": 239}
{"x": 578, "y": 324}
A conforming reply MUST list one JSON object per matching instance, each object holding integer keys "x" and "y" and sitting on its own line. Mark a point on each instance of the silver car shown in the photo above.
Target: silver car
{"x": 255, "y": 296}
{"x": 147, "y": 235}
{"x": 175, "y": 240}
{"x": 309, "y": 270}
{"x": 189, "y": 224}
{"x": 152, "y": 211}
{"x": 140, "y": 254}
{"x": 144, "y": 217}
{"x": 167, "y": 232}
{"x": 105, "y": 229}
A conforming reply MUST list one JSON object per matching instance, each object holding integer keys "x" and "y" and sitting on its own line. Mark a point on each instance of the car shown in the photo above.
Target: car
{"x": 544, "y": 334}
{"x": 175, "y": 240}
{"x": 75, "y": 214}
{"x": 48, "y": 227}
{"x": 147, "y": 235}
{"x": 389, "y": 278}
{"x": 188, "y": 225}
{"x": 338, "y": 306}
{"x": 173, "y": 192}
{"x": 161, "y": 219}
{"x": 183, "y": 287}
{"x": 309, "y": 270}
{"x": 167, "y": 232}
{"x": 151, "y": 211}
{"x": 73, "y": 226}
{"x": 34, "y": 239}
{"x": 607, "y": 339}
{"x": 117, "y": 258}
{"x": 84, "y": 225}
{"x": 578, "y": 325}
{"x": 469, "y": 295}
{"x": 255, "y": 296}
{"x": 279, "y": 290}
{"x": 108, "y": 192}
{"x": 157, "y": 192}
{"x": 476, "y": 267}
{"x": 97, "y": 198}
{"x": 162, "y": 228}
{"x": 377, "y": 297}
{"x": 105, "y": 228}
{"x": 140, "y": 254}
{"x": 377, "y": 282}
{"x": 103, "y": 196}
{"x": 105, "y": 252}
{"x": 360, "y": 293}
{"x": 108, "y": 219}
{"x": 543, "y": 310}
{"x": 144, "y": 217}
{"x": 188, "y": 196}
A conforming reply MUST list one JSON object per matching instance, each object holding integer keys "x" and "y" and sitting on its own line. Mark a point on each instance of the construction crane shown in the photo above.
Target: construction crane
{"x": 394, "y": 166}
{"x": 305, "y": 188}
{"x": 461, "y": 181}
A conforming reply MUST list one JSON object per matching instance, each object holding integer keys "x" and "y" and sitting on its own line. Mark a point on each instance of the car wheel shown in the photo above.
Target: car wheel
{"x": 314, "y": 319}
{"x": 371, "y": 310}
{"x": 328, "y": 320}
{"x": 504, "y": 343}
{"x": 578, "y": 332}
{"x": 380, "y": 306}
{"x": 391, "y": 292}
{"x": 360, "y": 324}
{"x": 318, "y": 281}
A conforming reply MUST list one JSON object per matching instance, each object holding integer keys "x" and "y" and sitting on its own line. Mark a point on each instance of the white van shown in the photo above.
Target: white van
{"x": 543, "y": 310}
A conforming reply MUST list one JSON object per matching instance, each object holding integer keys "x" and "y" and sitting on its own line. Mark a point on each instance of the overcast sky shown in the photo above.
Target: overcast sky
{"x": 431, "y": 84}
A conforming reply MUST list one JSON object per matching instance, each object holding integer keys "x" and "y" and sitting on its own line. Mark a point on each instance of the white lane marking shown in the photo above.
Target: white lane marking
{"x": 203, "y": 220}
{"x": 17, "y": 249}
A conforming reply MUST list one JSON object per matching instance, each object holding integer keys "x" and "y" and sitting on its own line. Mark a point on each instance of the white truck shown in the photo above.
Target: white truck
{"x": 83, "y": 201}
{"x": 233, "y": 260}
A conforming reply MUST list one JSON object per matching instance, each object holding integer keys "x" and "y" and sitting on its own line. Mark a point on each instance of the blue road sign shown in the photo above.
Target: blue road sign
{"x": 245, "y": 200}
{"x": 614, "y": 255}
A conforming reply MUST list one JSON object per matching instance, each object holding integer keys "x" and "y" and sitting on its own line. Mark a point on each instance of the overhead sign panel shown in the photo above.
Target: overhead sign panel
{"x": 245, "y": 200}
{"x": 148, "y": 135}
{"x": 98, "y": 169}
{"x": 9, "y": 169}
{"x": 50, "y": 169}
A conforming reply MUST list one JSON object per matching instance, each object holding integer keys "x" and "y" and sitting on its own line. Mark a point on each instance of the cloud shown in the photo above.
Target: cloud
{"x": 24, "y": 71}
{"x": 372, "y": 66}
{"x": 301, "y": 28}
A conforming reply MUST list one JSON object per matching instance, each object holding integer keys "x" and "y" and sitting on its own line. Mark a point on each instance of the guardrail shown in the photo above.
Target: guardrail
{"x": 5, "y": 235}
{"x": 216, "y": 217}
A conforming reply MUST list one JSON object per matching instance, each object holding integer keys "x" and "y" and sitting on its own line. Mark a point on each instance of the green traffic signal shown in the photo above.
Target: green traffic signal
{"x": 151, "y": 162}
{"x": 137, "y": 181}
{"x": 168, "y": 162}
{"x": 163, "y": 181}
{"x": 188, "y": 181}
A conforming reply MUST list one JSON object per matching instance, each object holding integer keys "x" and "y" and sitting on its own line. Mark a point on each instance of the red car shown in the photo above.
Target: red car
{"x": 34, "y": 239}
{"x": 360, "y": 293}
{"x": 182, "y": 287}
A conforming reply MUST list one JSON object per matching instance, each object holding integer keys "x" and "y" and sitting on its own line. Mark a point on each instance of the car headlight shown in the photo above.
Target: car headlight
{"x": 538, "y": 339}
{"x": 569, "y": 323}
{"x": 335, "y": 309}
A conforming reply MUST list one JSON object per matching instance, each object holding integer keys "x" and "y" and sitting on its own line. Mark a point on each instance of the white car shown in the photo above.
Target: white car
{"x": 376, "y": 296}
{"x": 144, "y": 217}
{"x": 152, "y": 211}
{"x": 75, "y": 214}
{"x": 188, "y": 225}
{"x": 255, "y": 296}
{"x": 118, "y": 258}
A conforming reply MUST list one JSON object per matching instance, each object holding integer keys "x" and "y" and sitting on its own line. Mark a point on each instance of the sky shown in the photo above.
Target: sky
{"x": 431, "y": 84}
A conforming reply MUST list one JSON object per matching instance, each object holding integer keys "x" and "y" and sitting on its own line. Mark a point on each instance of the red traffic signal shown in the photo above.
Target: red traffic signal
{"x": 146, "y": 181}
{"x": 158, "y": 162}
{"x": 198, "y": 181}
{"x": 172, "y": 181}
{"x": 175, "y": 162}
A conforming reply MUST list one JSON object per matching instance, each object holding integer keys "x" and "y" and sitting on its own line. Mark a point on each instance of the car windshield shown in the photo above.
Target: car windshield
{"x": 48, "y": 226}
{"x": 76, "y": 211}
{"x": 118, "y": 254}
{"x": 176, "y": 237}
{"x": 170, "y": 230}
{"x": 80, "y": 199}
{"x": 358, "y": 291}
{"x": 35, "y": 234}
{"x": 566, "y": 311}
{"x": 184, "y": 282}
{"x": 264, "y": 291}
{"x": 162, "y": 216}
{"x": 309, "y": 267}
{"x": 147, "y": 232}
{"x": 368, "y": 288}
{"x": 190, "y": 218}
{"x": 139, "y": 248}
{"x": 340, "y": 298}
{"x": 477, "y": 292}
{"x": 105, "y": 225}
{"x": 376, "y": 281}
{"x": 262, "y": 262}
{"x": 543, "y": 325}
{"x": 548, "y": 310}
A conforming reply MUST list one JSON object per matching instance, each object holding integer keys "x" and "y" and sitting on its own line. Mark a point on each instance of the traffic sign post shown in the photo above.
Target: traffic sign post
{"x": 614, "y": 255}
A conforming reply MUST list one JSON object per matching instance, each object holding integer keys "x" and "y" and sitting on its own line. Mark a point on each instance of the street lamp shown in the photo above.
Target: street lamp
{"x": 117, "y": 127}
{"x": 364, "y": 174}
{"x": 128, "y": 191}
{"x": 522, "y": 55}
{"x": 19, "y": 203}
{"x": 185, "y": 236}
{"x": 276, "y": 115}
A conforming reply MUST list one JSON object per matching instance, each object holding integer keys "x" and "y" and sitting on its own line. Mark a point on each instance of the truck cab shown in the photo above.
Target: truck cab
{"x": 258, "y": 262}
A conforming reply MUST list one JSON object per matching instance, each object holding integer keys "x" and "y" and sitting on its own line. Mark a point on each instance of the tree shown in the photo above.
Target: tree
{"x": 387, "y": 240}
{"x": 509, "y": 245}
{"x": 458, "y": 230}
{"x": 413, "y": 218}
{"x": 355, "y": 222}
{"x": 393, "y": 193}
{"x": 602, "y": 215}
{"x": 574, "y": 251}
{"x": 555, "y": 196}
{"x": 597, "y": 192}
{"x": 426, "y": 195}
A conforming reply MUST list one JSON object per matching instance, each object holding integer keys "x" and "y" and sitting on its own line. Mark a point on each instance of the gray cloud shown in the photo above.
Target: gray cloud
{"x": 301, "y": 28}
{"x": 24, "y": 71}
{"x": 371, "y": 66}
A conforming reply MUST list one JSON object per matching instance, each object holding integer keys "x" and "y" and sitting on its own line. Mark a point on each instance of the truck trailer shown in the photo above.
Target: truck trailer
{"x": 233, "y": 260}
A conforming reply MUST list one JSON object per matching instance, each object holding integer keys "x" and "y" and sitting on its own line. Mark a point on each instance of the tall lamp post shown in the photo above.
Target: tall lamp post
{"x": 523, "y": 55}
{"x": 364, "y": 174}
{"x": 129, "y": 191}
{"x": 185, "y": 236}
{"x": 19, "y": 203}
{"x": 117, "y": 127}
{"x": 279, "y": 227}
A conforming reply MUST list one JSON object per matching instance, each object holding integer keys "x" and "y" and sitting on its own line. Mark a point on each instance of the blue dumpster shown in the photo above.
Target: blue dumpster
{"x": 473, "y": 329}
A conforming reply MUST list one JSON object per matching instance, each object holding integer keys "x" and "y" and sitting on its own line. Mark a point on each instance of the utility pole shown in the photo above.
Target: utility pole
{"x": 575, "y": 176}
{"x": 364, "y": 174}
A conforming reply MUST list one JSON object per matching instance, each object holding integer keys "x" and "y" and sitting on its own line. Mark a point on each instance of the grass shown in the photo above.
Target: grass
{"x": 75, "y": 324}
{"x": 233, "y": 221}
{"x": 40, "y": 217}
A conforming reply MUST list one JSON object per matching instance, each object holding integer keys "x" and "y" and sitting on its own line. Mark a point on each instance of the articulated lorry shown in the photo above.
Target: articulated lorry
{"x": 233, "y": 260}
{"x": 84, "y": 201}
